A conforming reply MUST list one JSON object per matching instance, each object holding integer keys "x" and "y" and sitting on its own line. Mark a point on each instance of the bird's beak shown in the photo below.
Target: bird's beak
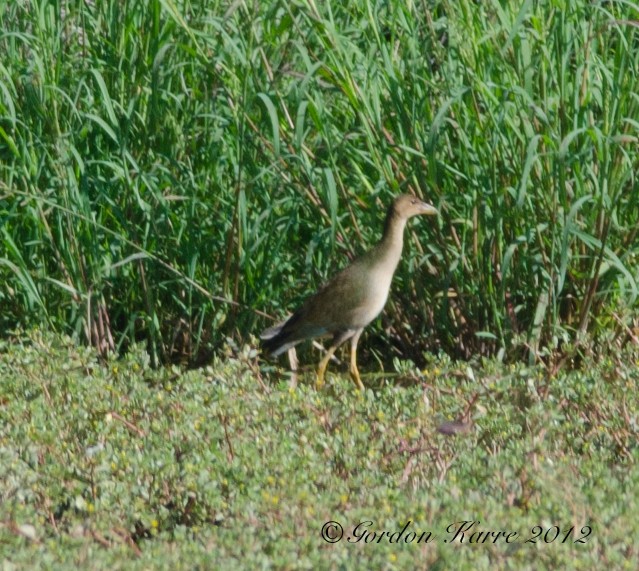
{"x": 428, "y": 209}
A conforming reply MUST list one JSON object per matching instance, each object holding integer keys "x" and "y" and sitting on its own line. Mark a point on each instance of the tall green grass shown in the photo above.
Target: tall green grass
{"x": 170, "y": 171}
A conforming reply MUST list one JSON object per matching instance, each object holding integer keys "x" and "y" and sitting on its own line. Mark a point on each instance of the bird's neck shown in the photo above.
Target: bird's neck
{"x": 390, "y": 246}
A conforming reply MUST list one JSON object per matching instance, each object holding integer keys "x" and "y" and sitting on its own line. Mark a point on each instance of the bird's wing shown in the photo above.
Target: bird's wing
{"x": 330, "y": 309}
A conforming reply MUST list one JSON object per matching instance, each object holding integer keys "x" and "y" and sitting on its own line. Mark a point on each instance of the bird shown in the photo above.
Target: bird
{"x": 352, "y": 298}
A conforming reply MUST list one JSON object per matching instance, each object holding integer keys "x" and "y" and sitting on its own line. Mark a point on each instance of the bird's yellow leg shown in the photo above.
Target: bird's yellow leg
{"x": 354, "y": 372}
{"x": 321, "y": 369}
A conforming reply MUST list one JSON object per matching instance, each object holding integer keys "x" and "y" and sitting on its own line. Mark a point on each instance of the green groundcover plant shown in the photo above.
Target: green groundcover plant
{"x": 119, "y": 466}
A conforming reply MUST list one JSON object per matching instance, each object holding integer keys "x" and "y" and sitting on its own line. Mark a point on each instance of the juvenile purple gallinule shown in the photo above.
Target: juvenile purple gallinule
{"x": 349, "y": 301}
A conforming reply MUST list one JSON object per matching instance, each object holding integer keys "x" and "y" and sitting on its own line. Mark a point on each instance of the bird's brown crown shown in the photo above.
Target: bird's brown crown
{"x": 407, "y": 205}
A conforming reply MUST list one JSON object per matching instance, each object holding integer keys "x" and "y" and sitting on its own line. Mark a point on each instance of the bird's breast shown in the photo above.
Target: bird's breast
{"x": 373, "y": 296}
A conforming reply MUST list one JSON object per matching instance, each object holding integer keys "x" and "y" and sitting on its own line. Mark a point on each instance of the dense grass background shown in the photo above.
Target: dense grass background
{"x": 119, "y": 466}
{"x": 171, "y": 170}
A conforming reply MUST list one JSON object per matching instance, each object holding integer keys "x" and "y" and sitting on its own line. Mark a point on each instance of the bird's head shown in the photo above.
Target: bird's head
{"x": 407, "y": 205}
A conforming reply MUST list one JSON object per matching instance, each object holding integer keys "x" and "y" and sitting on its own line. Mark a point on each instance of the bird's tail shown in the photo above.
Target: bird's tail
{"x": 276, "y": 340}
{"x": 272, "y": 331}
